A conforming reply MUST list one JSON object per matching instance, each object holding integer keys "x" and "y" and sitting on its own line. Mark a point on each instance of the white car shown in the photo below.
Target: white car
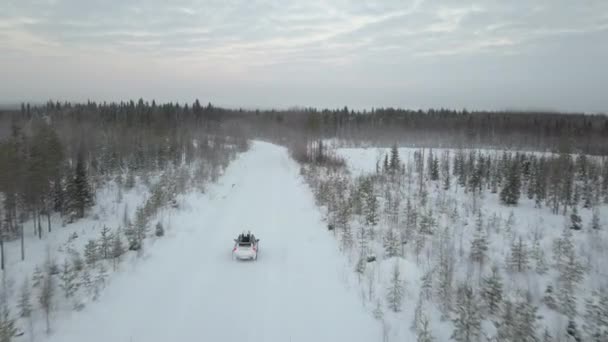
{"x": 246, "y": 247}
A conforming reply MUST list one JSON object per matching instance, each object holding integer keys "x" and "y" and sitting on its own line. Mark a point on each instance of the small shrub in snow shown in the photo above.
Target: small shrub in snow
{"x": 575, "y": 220}
{"x": 159, "y": 230}
{"x": 7, "y": 324}
{"x": 68, "y": 280}
{"x": 549, "y": 298}
{"x": 24, "y": 304}
{"x": 90, "y": 252}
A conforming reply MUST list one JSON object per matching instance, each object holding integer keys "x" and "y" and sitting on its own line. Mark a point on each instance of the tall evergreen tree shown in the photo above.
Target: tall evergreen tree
{"x": 518, "y": 258}
{"x": 491, "y": 291}
{"x": 575, "y": 220}
{"x": 479, "y": 244}
{"x": 79, "y": 190}
{"x": 511, "y": 190}
{"x": 467, "y": 323}
{"x": 395, "y": 163}
{"x": 394, "y": 295}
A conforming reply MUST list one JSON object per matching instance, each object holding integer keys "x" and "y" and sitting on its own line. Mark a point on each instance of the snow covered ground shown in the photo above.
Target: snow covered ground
{"x": 188, "y": 288}
{"x": 528, "y": 222}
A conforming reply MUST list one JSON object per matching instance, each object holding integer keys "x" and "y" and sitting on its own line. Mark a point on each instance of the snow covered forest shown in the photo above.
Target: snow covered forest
{"x": 473, "y": 226}
{"x": 84, "y": 187}
{"x": 470, "y": 244}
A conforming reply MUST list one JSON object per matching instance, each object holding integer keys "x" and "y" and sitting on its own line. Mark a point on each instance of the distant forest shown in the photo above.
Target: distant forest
{"x": 546, "y": 131}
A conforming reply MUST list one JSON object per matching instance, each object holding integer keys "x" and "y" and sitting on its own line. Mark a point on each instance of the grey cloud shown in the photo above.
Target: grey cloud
{"x": 388, "y": 48}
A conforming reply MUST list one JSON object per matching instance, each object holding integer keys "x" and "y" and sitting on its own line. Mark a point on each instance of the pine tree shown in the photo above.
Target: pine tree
{"x": 361, "y": 265}
{"x": 91, "y": 254}
{"x": 117, "y": 247}
{"x": 391, "y": 243}
{"x": 37, "y": 277}
{"x": 506, "y": 325}
{"x": 567, "y": 300}
{"x": 77, "y": 262}
{"x": 105, "y": 243}
{"x": 518, "y": 258}
{"x": 427, "y": 223}
{"x": 394, "y": 295}
{"x": 7, "y": 324}
{"x": 395, "y": 163}
{"x": 86, "y": 281}
{"x": 538, "y": 255}
{"x": 479, "y": 244}
{"x": 549, "y": 298}
{"x": 575, "y": 220}
{"x": 434, "y": 169}
{"x": 100, "y": 280}
{"x": 79, "y": 191}
{"x": 511, "y": 190}
{"x": 563, "y": 247}
{"x": 426, "y": 287}
{"x": 595, "y": 325}
{"x": 68, "y": 280}
{"x": 491, "y": 291}
{"x": 467, "y": 323}
{"x": 159, "y": 230}
{"x": 571, "y": 274}
{"x": 45, "y": 298}
{"x": 572, "y": 331}
{"x": 371, "y": 210}
{"x": 595, "y": 220}
{"x": 423, "y": 330}
{"x": 525, "y": 322}
{"x": 24, "y": 304}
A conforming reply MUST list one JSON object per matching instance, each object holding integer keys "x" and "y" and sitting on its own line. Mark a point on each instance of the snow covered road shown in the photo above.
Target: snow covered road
{"x": 189, "y": 288}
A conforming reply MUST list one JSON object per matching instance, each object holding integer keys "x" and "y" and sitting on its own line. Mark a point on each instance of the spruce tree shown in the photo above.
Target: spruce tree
{"x": 394, "y": 295}
{"x": 426, "y": 287}
{"x": 575, "y": 220}
{"x": 117, "y": 248}
{"x": 467, "y": 323}
{"x": 24, "y": 303}
{"x": 7, "y": 323}
{"x": 434, "y": 169}
{"x": 479, "y": 244}
{"x": 491, "y": 291}
{"x": 45, "y": 298}
{"x": 68, "y": 279}
{"x": 595, "y": 325}
{"x": 549, "y": 298}
{"x": 105, "y": 242}
{"x": 572, "y": 332}
{"x": 506, "y": 325}
{"x": 525, "y": 324}
{"x": 391, "y": 243}
{"x": 518, "y": 258}
{"x": 511, "y": 190}
{"x": 424, "y": 331}
{"x": 395, "y": 163}
{"x": 159, "y": 230}
{"x": 91, "y": 254}
{"x": 538, "y": 255}
{"x": 595, "y": 220}
{"x": 79, "y": 191}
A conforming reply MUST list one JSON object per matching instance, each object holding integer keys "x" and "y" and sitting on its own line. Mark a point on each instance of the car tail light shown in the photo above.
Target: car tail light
{"x": 234, "y": 249}
{"x": 254, "y": 248}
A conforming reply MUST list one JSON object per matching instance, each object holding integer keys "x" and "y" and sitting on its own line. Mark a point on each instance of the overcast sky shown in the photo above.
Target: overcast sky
{"x": 486, "y": 54}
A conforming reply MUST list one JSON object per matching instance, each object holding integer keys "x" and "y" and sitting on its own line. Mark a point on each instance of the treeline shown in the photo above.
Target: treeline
{"x": 413, "y": 207}
{"x": 553, "y": 132}
{"x": 54, "y": 157}
{"x": 545, "y": 131}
